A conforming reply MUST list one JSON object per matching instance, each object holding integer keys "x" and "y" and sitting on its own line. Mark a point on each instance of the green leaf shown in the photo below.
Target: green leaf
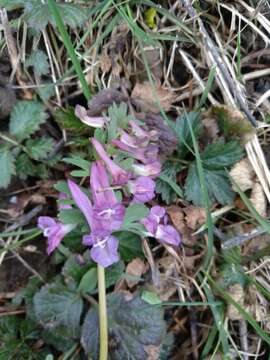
{"x": 7, "y": 166}
{"x": 119, "y": 118}
{"x": 67, "y": 120}
{"x": 219, "y": 155}
{"x": 25, "y": 119}
{"x": 218, "y": 186}
{"x": 39, "y": 60}
{"x": 24, "y": 166}
{"x": 62, "y": 186}
{"x": 38, "y": 15}
{"x": 88, "y": 282}
{"x": 39, "y": 149}
{"x": 151, "y": 297}
{"x": 183, "y": 131}
{"x": 79, "y": 162}
{"x": 134, "y": 212}
{"x": 134, "y": 325}
{"x": 71, "y": 216}
{"x": 114, "y": 273}
{"x": 73, "y": 270}
{"x": 55, "y": 305}
{"x": 166, "y": 182}
{"x": 130, "y": 245}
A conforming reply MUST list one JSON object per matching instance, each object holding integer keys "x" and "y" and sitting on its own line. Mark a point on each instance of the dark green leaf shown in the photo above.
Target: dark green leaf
{"x": 7, "y": 167}
{"x": 39, "y": 60}
{"x": 133, "y": 325}
{"x": 73, "y": 270}
{"x": 55, "y": 305}
{"x": 39, "y": 148}
{"x": 114, "y": 273}
{"x": 38, "y": 14}
{"x": 169, "y": 172}
{"x": 219, "y": 155}
{"x": 218, "y": 186}
{"x": 26, "y": 117}
{"x": 67, "y": 120}
{"x": 183, "y": 131}
{"x": 130, "y": 245}
{"x": 79, "y": 162}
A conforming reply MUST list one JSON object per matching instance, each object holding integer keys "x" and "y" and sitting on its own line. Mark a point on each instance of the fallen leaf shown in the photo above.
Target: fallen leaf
{"x": 105, "y": 63}
{"x": 195, "y": 217}
{"x": 243, "y": 174}
{"x": 152, "y": 352}
{"x": 210, "y": 128}
{"x": 258, "y": 199}
{"x": 135, "y": 268}
{"x": 154, "y": 60}
{"x": 236, "y": 291}
{"x": 145, "y": 98}
{"x": 105, "y": 98}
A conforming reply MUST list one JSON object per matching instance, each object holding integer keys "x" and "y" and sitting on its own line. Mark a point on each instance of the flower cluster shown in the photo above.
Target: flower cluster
{"x": 104, "y": 213}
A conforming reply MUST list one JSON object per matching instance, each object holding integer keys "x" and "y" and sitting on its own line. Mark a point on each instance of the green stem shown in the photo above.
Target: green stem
{"x": 102, "y": 309}
{"x": 68, "y": 44}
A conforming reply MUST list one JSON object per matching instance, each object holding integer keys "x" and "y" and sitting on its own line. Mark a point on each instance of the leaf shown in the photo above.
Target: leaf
{"x": 79, "y": 162}
{"x": 147, "y": 99}
{"x": 150, "y": 18}
{"x": 166, "y": 182}
{"x": 39, "y": 60}
{"x": 67, "y": 120}
{"x": 133, "y": 325}
{"x": 130, "y": 245}
{"x": 217, "y": 183}
{"x": 183, "y": 131}
{"x": 114, "y": 273}
{"x": 119, "y": 118}
{"x": 71, "y": 216}
{"x": 219, "y": 155}
{"x": 7, "y": 166}
{"x": 55, "y": 305}
{"x": 134, "y": 212}
{"x": 24, "y": 166}
{"x": 88, "y": 282}
{"x": 38, "y": 15}
{"x": 151, "y": 297}
{"x": 73, "y": 269}
{"x": 39, "y": 149}
{"x": 26, "y": 117}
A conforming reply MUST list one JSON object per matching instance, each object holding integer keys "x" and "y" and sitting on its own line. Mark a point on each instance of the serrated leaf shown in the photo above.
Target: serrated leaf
{"x": 218, "y": 186}
{"x": 183, "y": 131}
{"x": 38, "y": 15}
{"x": 55, "y": 305}
{"x": 7, "y": 167}
{"x": 73, "y": 270}
{"x": 39, "y": 60}
{"x": 133, "y": 324}
{"x": 39, "y": 148}
{"x": 26, "y": 117}
{"x": 219, "y": 155}
{"x": 165, "y": 189}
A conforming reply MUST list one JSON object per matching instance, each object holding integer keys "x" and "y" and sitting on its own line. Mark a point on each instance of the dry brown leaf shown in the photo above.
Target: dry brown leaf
{"x": 236, "y": 291}
{"x": 243, "y": 174}
{"x": 195, "y": 217}
{"x": 102, "y": 100}
{"x": 135, "y": 268}
{"x": 105, "y": 63}
{"x": 145, "y": 99}
{"x": 152, "y": 352}
{"x": 258, "y": 199}
{"x": 210, "y": 128}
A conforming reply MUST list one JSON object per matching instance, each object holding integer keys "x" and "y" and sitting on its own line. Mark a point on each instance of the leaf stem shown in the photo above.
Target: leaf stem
{"x": 70, "y": 49}
{"x": 102, "y": 309}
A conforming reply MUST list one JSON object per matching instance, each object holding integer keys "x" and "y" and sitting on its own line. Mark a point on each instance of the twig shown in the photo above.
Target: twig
{"x": 243, "y": 338}
{"x": 25, "y": 219}
{"x": 240, "y": 239}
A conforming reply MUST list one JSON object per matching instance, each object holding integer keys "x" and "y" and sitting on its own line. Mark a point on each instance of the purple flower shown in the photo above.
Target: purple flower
{"x": 104, "y": 216}
{"x": 96, "y": 122}
{"x": 54, "y": 231}
{"x": 104, "y": 247}
{"x": 119, "y": 175}
{"x": 143, "y": 189}
{"x": 152, "y": 169}
{"x": 156, "y": 225}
